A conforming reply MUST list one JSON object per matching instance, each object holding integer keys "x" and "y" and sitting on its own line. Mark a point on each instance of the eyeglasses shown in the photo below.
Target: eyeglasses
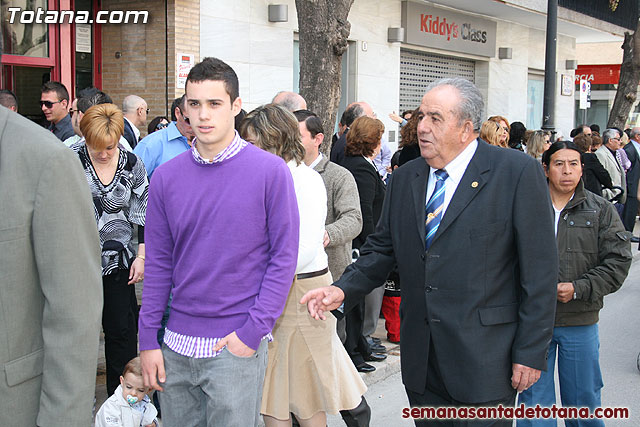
{"x": 161, "y": 126}
{"x": 186, "y": 119}
{"x": 72, "y": 111}
{"x": 147, "y": 110}
{"x": 48, "y": 104}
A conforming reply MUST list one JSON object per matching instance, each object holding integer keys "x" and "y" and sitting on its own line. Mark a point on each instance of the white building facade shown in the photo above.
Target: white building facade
{"x": 500, "y": 46}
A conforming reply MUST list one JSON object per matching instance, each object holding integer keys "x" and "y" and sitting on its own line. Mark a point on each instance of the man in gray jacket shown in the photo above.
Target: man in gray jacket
{"x": 50, "y": 280}
{"x": 594, "y": 253}
{"x": 343, "y": 223}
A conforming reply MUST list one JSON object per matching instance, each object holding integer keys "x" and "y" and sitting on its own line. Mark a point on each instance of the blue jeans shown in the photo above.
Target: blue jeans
{"x": 578, "y": 371}
{"x": 225, "y": 390}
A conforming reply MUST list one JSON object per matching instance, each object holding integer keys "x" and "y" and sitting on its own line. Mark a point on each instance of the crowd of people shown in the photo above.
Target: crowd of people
{"x": 266, "y": 263}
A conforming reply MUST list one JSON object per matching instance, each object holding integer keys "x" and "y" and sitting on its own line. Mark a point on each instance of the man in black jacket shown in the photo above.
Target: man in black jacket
{"x": 595, "y": 256}
{"x": 472, "y": 233}
{"x": 633, "y": 175}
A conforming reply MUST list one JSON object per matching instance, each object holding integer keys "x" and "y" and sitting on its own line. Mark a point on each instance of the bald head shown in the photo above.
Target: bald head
{"x": 366, "y": 109}
{"x": 134, "y": 108}
{"x": 290, "y": 101}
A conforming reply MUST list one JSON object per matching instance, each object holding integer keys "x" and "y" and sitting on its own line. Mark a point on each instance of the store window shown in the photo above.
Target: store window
{"x": 535, "y": 98}
{"x": 28, "y": 39}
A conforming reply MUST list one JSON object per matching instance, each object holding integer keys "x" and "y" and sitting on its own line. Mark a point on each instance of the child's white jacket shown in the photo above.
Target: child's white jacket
{"x": 116, "y": 412}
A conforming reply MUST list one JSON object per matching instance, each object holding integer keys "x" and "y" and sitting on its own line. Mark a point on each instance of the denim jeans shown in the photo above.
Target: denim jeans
{"x": 225, "y": 390}
{"x": 578, "y": 371}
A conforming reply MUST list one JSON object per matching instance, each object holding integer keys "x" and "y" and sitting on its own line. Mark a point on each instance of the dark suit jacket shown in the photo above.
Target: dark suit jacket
{"x": 129, "y": 135}
{"x": 484, "y": 294}
{"x": 371, "y": 190}
{"x": 594, "y": 175}
{"x": 633, "y": 174}
{"x": 337, "y": 149}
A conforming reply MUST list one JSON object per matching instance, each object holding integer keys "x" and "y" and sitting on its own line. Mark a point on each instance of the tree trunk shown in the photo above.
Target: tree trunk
{"x": 629, "y": 79}
{"x": 323, "y": 31}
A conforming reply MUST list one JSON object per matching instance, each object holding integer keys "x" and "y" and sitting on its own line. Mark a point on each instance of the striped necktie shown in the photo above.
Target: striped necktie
{"x": 434, "y": 207}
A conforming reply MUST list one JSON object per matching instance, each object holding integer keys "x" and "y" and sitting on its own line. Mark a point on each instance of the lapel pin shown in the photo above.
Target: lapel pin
{"x": 474, "y": 184}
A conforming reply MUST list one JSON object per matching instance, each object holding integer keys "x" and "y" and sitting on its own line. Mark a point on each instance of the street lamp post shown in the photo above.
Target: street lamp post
{"x": 548, "y": 107}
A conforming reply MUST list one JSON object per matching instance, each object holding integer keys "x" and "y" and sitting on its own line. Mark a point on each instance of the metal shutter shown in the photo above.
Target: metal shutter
{"x": 418, "y": 69}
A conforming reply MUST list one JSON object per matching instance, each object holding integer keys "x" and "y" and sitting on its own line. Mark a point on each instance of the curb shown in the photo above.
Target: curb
{"x": 384, "y": 369}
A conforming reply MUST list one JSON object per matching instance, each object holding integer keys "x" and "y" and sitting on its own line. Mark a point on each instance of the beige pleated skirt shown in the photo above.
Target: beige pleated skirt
{"x": 309, "y": 370}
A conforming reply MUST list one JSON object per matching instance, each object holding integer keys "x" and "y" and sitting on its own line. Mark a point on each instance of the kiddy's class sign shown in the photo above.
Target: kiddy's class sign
{"x": 448, "y": 30}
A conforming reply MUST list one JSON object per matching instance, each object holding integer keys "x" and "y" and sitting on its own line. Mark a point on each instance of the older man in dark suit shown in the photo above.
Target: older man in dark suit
{"x": 473, "y": 236}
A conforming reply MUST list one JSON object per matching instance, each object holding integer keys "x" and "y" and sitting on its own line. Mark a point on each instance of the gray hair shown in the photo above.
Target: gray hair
{"x": 471, "y": 105}
{"x": 608, "y": 134}
{"x": 290, "y": 101}
{"x": 131, "y": 103}
{"x": 634, "y": 132}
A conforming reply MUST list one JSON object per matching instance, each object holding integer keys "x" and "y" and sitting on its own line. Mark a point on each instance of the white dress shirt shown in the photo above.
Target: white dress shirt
{"x": 312, "y": 206}
{"x": 455, "y": 169}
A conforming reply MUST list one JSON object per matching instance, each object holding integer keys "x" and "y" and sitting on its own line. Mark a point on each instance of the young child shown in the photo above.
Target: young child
{"x": 129, "y": 406}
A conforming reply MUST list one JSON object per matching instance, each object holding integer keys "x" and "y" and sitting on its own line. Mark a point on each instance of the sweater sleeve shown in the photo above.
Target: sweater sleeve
{"x": 157, "y": 282}
{"x": 283, "y": 224}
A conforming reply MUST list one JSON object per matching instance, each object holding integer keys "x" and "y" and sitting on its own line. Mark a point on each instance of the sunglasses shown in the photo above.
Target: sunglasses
{"x": 161, "y": 126}
{"x": 48, "y": 104}
{"x": 71, "y": 112}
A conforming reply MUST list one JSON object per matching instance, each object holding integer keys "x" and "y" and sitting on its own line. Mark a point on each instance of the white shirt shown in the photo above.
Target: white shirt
{"x": 455, "y": 169}
{"x": 312, "y": 206}
{"x": 558, "y": 212}
{"x": 135, "y": 129}
{"x": 316, "y": 161}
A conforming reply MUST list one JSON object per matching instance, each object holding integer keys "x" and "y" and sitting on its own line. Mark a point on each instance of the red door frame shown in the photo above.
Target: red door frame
{"x": 61, "y": 58}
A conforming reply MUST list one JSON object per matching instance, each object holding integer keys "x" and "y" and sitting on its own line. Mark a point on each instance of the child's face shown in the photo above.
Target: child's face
{"x": 132, "y": 385}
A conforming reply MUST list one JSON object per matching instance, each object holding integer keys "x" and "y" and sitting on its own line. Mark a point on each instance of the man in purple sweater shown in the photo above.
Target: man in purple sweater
{"x": 222, "y": 226}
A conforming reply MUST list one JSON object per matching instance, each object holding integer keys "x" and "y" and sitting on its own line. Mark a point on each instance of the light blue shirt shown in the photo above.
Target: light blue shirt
{"x": 160, "y": 147}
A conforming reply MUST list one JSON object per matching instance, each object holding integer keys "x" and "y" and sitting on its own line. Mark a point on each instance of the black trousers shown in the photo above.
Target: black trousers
{"x": 355, "y": 343}
{"x": 435, "y": 395}
{"x": 119, "y": 325}
{"x": 629, "y": 213}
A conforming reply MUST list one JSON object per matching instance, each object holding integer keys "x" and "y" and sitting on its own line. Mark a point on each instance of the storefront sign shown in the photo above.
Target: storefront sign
{"x": 83, "y": 38}
{"x": 444, "y": 29}
{"x": 184, "y": 64}
{"x": 599, "y": 74}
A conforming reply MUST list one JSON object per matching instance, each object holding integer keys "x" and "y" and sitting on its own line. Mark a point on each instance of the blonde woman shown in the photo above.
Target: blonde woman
{"x": 309, "y": 372}
{"x": 119, "y": 186}
{"x": 538, "y": 144}
{"x": 491, "y": 133}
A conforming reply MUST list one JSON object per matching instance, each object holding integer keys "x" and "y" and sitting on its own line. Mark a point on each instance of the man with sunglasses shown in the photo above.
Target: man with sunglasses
{"x": 135, "y": 112}
{"x": 165, "y": 144}
{"x": 54, "y": 101}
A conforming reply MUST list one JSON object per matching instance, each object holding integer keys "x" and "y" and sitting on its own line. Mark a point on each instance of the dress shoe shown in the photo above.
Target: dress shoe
{"x": 378, "y": 348}
{"x": 375, "y": 357}
{"x": 376, "y": 340}
{"x": 365, "y": 367}
{"x": 635, "y": 239}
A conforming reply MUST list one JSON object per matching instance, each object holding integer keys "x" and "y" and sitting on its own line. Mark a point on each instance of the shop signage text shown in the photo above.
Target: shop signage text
{"x": 444, "y": 29}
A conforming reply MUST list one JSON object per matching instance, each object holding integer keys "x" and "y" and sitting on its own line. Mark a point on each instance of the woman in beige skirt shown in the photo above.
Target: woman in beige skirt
{"x": 309, "y": 372}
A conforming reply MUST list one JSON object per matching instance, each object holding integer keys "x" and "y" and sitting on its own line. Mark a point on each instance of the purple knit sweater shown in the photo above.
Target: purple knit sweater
{"x": 226, "y": 236}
